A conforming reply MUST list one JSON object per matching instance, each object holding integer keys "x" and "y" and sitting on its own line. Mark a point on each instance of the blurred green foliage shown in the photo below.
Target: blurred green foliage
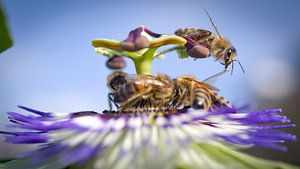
{"x": 5, "y": 39}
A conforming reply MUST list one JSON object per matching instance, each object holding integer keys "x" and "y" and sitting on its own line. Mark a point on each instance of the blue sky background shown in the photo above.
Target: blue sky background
{"x": 53, "y": 67}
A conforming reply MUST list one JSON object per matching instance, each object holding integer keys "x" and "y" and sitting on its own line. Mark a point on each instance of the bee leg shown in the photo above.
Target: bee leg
{"x": 135, "y": 99}
{"x": 186, "y": 107}
{"x": 180, "y": 94}
{"x": 158, "y": 104}
{"x": 128, "y": 104}
{"x": 111, "y": 100}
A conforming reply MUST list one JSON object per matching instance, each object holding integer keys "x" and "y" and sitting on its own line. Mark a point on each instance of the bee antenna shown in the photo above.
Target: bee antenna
{"x": 240, "y": 65}
{"x": 212, "y": 22}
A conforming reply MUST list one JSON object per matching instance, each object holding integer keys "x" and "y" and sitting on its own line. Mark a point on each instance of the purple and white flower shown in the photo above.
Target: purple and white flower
{"x": 110, "y": 140}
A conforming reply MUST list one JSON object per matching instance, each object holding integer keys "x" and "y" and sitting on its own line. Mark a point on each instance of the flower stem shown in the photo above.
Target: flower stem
{"x": 143, "y": 64}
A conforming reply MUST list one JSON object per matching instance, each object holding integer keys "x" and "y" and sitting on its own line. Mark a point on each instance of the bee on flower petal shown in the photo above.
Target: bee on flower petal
{"x": 216, "y": 45}
{"x": 190, "y": 92}
{"x": 160, "y": 93}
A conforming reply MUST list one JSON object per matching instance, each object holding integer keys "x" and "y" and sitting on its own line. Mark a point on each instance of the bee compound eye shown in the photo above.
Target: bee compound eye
{"x": 229, "y": 52}
{"x": 198, "y": 104}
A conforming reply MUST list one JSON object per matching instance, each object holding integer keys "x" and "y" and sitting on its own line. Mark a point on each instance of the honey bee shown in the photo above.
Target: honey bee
{"x": 142, "y": 93}
{"x": 217, "y": 45}
{"x": 160, "y": 93}
{"x": 189, "y": 92}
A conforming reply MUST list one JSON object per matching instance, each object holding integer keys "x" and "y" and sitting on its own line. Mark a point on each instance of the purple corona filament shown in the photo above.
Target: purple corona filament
{"x": 77, "y": 138}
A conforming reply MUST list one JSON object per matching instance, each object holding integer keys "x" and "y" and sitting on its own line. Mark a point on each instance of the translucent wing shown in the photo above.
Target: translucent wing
{"x": 193, "y": 33}
{"x": 212, "y": 79}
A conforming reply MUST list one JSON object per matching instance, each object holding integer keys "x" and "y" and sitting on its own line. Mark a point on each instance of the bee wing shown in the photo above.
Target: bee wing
{"x": 200, "y": 33}
{"x": 132, "y": 76}
{"x": 212, "y": 79}
{"x": 200, "y": 83}
{"x": 135, "y": 76}
{"x": 211, "y": 87}
{"x": 193, "y": 33}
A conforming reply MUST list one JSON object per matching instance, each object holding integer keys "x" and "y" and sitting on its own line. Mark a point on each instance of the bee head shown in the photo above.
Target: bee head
{"x": 228, "y": 58}
{"x": 116, "y": 80}
{"x": 222, "y": 49}
{"x": 229, "y": 55}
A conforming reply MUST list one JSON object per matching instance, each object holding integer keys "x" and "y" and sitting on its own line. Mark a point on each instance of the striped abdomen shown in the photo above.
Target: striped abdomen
{"x": 219, "y": 101}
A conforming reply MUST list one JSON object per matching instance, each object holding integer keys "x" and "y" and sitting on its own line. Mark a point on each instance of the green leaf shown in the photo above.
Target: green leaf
{"x": 5, "y": 39}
